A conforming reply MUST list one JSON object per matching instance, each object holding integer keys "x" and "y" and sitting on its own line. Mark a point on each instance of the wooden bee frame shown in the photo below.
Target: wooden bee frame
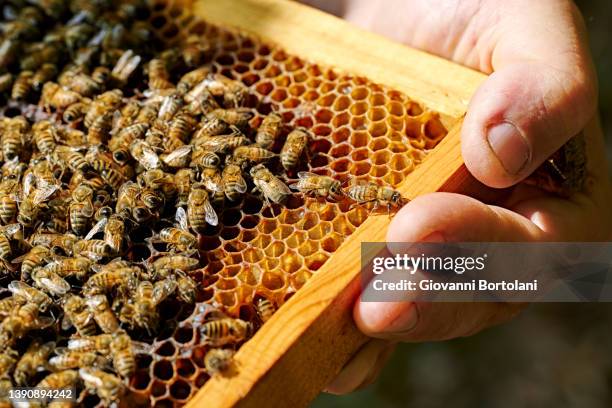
{"x": 307, "y": 342}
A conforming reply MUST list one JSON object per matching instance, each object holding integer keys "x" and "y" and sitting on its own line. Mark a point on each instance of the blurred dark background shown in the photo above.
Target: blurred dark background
{"x": 553, "y": 355}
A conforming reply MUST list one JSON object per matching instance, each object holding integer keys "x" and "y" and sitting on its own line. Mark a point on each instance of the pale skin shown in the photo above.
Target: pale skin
{"x": 542, "y": 91}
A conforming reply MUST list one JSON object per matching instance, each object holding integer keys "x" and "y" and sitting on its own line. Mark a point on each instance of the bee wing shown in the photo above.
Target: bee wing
{"x": 139, "y": 347}
{"x": 210, "y": 214}
{"x": 306, "y": 174}
{"x": 96, "y": 228}
{"x": 178, "y": 154}
{"x": 66, "y": 324}
{"x": 181, "y": 218}
{"x": 88, "y": 209}
{"x": 11, "y": 229}
{"x": 150, "y": 159}
{"x": 43, "y": 322}
{"x": 241, "y": 186}
{"x": 89, "y": 377}
{"x": 57, "y": 286}
{"x": 44, "y": 192}
{"x": 28, "y": 184}
{"x": 18, "y": 286}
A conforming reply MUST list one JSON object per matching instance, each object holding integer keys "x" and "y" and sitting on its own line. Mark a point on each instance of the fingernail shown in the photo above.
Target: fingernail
{"x": 510, "y": 146}
{"x": 434, "y": 237}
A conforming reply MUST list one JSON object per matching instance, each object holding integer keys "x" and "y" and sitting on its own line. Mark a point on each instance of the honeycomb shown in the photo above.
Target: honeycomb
{"x": 362, "y": 131}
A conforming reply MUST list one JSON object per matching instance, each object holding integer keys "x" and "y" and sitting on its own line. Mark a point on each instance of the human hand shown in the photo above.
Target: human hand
{"x": 542, "y": 91}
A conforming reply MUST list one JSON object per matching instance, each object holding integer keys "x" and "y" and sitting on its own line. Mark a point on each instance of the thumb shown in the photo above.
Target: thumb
{"x": 542, "y": 93}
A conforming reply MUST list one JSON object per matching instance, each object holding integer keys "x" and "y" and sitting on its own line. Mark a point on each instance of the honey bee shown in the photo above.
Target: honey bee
{"x": 186, "y": 288}
{"x": 180, "y": 237}
{"x": 102, "y": 313}
{"x": 125, "y": 66}
{"x": 44, "y": 74}
{"x": 8, "y": 51}
{"x": 265, "y": 309}
{"x": 81, "y": 209}
{"x": 76, "y": 359}
{"x": 158, "y": 180}
{"x": 24, "y": 293}
{"x": 99, "y": 343}
{"x": 200, "y": 100}
{"x": 8, "y": 360}
{"x": 124, "y": 360}
{"x": 78, "y": 267}
{"x": 182, "y": 126}
{"x": 184, "y": 179}
{"x": 75, "y": 111}
{"x": 22, "y": 87}
{"x": 191, "y": 79}
{"x": 60, "y": 379}
{"x": 107, "y": 386}
{"x": 83, "y": 84}
{"x": 163, "y": 288}
{"x": 100, "y": 129}
{"x": 363, "y": 193}
{"x": 77, "y": 314}
{"x": 71, "y": 158}
{"x": 123, "y": 139}
{"x": 111, "y": 175}
{"x": 6, "y": 234}
{"x": 194, "y": 51}
{"x": 212, "y": 127}
{"x": 101, "y": 75}
{"x": 238, "y": 117}
{"x": 317, "y": 185}
{"x": 174, "y": 262}
{"x": 77, "y": 35}
{"x": 50, "y": 282}
{"x": 144, "y": 307}
{"x": 206, "y": 159}
{"x": 171, "y": 104}
{"x": 178, "y": 158}
{"x": 7, "y": 304}
{"x": 127, "y": 198}
{"x": 8, "y": 204}
{"x": 221, "y": 144}
{"x": 102, "y": 104}
{"x": 144, "y": 154}
{"x": 294, "y": 148}
{"x": 6, "y": 82}
{"x": 57, "y": 243}
{"x": 233, "y": 92}
{"x": 199, "y": 209}
{"x": 20, "y": 321}
{"x": 213, "y": 182}
{"x": 218, "y": 361}
{"x": 14, "y": 136}
{"x": 33, "y": 361}
{"x": 94, "y": 249}
{"x": 269, "y": 130}
{"x": 234, "y": 184}
{"x": 33, "y": 200}
{"x": 225, "y": 330}
{"x": 158, "y": 74}
{"x": 45, "y": 136}
{"x": 55, "y": 96}
{"x": 113, "y": 233}
{"x": 272, "y": 188}
{"x": 148, "y": 112}
{"x": 33, "y": 258}
{"x": 251, "y": 154}
{"x": 113, "y": 276}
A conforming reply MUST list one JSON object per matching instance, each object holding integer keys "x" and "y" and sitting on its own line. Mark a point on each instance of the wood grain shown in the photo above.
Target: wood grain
{"x": 306, "y": 343}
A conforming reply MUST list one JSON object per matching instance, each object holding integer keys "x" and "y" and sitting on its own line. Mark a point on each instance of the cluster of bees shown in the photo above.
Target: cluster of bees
{"x": 101, "y": 135}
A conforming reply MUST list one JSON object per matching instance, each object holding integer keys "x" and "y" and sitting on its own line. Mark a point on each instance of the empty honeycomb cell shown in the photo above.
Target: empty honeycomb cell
{"x": 166, "y": 349}
{"x": 225, "y": 59}
{"x": 275, "y": 249}
{"x": 228, "y": 233}
{"x": 279, "y": 95}
{"x": 269, "y": 264}
{"x": 319, "y": 161}
{"x": 394, "y": 178}
{"x": 332, "y": 243}
{"x": 279, "y": 55}
{"x": 378, "y": 144}
{"x": 340, "y": 135}
{"x": 359, "y": 108}
{"x": 163, "y": 403}
{"x": 330, "y": 74}
{"x": 201, "y": 379}
{"x": 272, "y": 71}
{"x": 163, "y": 370}
{"x": 291, "y": 103}
{"x": 293, "y": 63}
{"x": 358, "y": 123}
{"x": 376, "y": 114}
{"x": 381, "y": 157}
{"x": 297, "y": 89}
{"x": 296, "y": 239}
{"x": 282, "y": 232}
{"x": 413, "y": 130}
{"x": 259, "y": 64}
{"x": 321, "y": 130}
{"x": 327, "y": 211}
{"x": 434, "y": 129}
{"x": 245, "y": 56}
{"x": 249, "y": 221}
{"x": 313, "y": 83}
{"x": 326, "y": 87}
{"x": 272, "y": 281}
{"x": 248, "y": 235}
{"x": 378, "y": 129}
{"x": 400, "y": 162}
{"x": 308, "y": 248}
{"x": 342, "y": 226}
{"x": 315, "y": 261}
{"x": 359, "y": 93}
{"x": 140, "y": 380}
{"x": 226, "y": 283}
{"x": 340, "y": 150}
{"x": 272, "y": 211}
{"x": 360, "y": 168}
{"x": 158, "y": 389}
{"x": 262, "y": 241}
{"x": 319, "y": 231}
{"x": 226, "y": 299}
{"x": 241, "y": 68}
{"x": 311, "y": 96}
{"x": 299, "y": 76}
{"x": 209, "y": 243}
{"x": 397, "y": 147}
{"x": 231, "y": 217}
{"x": 309, "y": 220}
{"x": 185, "y": 368}
{"x": 233, "y": 258}
{"x": 267, "y": 225}
{"x": 360, "y": 154}
{"x": 413, "y": 109}
{"x": 299, "y": 278}
{"x": 340, "y": 119}
{"x": 395, "y": 108}
{"x": 180, "y": 390}
{"x": 158, "y": 21}
{"x": 291, "y": 217}
{"x": 252, "y": 255}
{"x": 249, "y": 78}
{"x": 234, "y": 246}
{"x": 359, "y": 139}
{"x": 320, "y": 145}
{"x": 249, "y": 276}
{"x": 340, "y": 166}
{"x": 396, "y": 123}
{"x": 290, "y": 261}
{"x": 357, "y": 216}
{"x": 324, "y": 116}
{"x": 342, "y": 103}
